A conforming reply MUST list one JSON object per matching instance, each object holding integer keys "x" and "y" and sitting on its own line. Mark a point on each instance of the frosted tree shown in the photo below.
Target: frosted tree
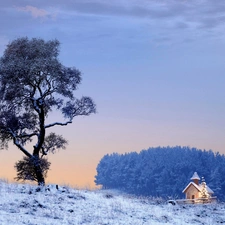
{"x": 204, "y": 192}
{"x": 33, "y": 84}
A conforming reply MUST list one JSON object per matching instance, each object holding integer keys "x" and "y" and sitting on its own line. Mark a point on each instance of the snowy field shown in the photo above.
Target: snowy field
{"x": 25, "y": 204}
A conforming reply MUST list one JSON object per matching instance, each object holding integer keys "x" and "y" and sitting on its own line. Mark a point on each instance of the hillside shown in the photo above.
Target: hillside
{"x": 26, "y": 204}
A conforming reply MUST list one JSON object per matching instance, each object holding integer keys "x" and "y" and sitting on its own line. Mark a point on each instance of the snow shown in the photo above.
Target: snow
{"x": 195, "y": 185}
{"x": 209, "y": 190}
{"x": 28, "y": 204}
{"x": 195, "y": 176}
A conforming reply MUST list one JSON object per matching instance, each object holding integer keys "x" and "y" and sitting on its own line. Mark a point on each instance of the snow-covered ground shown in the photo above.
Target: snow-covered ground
{"x": 25, "y": 204}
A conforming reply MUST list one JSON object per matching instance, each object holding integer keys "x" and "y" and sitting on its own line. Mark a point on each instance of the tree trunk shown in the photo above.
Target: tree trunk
{"x": 38, "y": 171}
{"x": 39, "y": 175}
{"x": 37, "y": 148}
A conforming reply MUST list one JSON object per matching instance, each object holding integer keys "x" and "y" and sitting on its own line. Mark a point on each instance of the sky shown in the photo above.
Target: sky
{"x": 155, "y": 69}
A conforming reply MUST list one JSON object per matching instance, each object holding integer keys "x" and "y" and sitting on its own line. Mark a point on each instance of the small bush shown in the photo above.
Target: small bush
{"x": 26, "y": 168}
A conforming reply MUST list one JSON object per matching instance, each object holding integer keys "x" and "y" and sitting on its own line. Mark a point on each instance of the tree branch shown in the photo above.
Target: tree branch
{"x": 57, "y": 123}
{"x": 15, "y": 141}
{"x": 26, "y": 135}
{"x": 21, "y": 148}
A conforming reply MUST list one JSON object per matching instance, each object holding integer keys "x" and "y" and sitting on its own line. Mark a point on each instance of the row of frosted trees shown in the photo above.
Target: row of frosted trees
{"x": 162, "y": 171}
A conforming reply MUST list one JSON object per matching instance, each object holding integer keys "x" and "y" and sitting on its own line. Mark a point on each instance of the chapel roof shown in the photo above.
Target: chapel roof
{"x": 192, "y": 183}
{"x": 195, "y": 176}
{"x": 198, "y": 187}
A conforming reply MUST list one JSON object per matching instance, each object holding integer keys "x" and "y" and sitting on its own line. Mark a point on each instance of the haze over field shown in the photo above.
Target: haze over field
{"x": 155, "y": 69}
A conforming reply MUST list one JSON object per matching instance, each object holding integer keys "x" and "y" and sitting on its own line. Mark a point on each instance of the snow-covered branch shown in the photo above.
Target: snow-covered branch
{"x": 58, "y": 123}
{"x": 27, "y": 135}
{"x": 16, "y": 142}
{"x": 80, "y": 107}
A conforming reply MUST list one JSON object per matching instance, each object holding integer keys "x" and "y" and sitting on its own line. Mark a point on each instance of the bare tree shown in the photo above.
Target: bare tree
{"x": 33, "y": 83}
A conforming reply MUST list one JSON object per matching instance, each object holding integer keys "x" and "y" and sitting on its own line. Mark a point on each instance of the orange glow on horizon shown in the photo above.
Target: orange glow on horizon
{"x": 88, "y": 143}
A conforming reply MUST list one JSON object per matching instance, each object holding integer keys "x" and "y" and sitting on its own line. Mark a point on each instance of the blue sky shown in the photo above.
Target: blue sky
{"x": 155, "y": 69}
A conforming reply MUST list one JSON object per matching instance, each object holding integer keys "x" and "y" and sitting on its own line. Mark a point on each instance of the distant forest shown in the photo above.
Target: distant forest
{"x": 162, "y": 171}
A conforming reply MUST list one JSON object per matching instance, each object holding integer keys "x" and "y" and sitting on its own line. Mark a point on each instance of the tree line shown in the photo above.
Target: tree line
{"x": 161, "y": 171}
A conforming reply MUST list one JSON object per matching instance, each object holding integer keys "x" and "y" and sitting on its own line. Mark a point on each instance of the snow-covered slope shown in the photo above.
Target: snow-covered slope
{"x": 26, "y": 204}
